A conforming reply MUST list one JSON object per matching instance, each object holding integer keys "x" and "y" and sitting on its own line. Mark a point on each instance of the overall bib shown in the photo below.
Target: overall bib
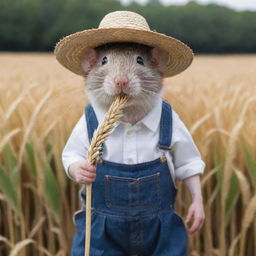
{"x": 133, "y": 205}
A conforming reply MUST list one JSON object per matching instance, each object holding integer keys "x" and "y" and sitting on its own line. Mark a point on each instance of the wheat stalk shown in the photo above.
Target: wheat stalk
{"x": 248, "y": 217}
{"x": 99, "y": 136}
{"x": 230, "y": 96}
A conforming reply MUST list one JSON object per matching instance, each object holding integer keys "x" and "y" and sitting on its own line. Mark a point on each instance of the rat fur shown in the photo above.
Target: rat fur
{"x": 125, "y": 68}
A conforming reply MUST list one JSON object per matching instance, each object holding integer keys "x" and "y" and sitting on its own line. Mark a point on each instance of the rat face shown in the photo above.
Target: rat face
{"x": 124, "y": 68}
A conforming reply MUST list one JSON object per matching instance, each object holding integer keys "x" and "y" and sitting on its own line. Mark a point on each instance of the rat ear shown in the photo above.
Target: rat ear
{"x": 159, "y": 59}
{"x": 89, "y": 59}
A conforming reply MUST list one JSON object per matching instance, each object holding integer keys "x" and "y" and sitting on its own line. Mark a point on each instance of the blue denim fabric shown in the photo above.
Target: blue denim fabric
{"x": 133, "y": 206}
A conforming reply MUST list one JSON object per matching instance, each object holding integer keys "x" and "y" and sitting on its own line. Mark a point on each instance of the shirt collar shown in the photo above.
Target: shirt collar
{"x": 151, "y": 120}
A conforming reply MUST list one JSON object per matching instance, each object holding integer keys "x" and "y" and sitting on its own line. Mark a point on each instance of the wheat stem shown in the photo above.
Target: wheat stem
{"x": 99, "y": 136}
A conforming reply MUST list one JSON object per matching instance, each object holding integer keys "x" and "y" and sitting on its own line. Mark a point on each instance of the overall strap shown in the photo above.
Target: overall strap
{"x": 165, "y": 136}
{"x": 91, "y": 121}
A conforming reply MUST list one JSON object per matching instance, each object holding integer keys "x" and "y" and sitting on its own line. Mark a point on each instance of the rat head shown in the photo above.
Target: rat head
{"x": 124, "y": 68}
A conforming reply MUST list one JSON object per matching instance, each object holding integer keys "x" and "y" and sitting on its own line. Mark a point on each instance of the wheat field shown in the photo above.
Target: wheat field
{"x": 40, "y": 102}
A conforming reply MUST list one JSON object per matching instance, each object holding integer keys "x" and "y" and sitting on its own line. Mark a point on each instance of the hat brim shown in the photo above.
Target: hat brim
{"x": 69, "y": 51}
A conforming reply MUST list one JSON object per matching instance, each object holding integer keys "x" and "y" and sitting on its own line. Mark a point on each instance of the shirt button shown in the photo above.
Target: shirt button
{"x": 129, "y": 132}
{"x": 129, "y": 160}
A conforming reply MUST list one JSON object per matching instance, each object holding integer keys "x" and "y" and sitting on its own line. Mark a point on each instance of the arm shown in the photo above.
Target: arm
{"x": 74, "y": 155}
{"x": 196, "y": 208}
{"x": 188, "y": 167}
{"x": 194, "y": 186}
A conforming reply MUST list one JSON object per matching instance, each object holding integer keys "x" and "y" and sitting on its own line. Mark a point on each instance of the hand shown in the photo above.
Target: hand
{"x": 196, "y": 210}
{"x": 82, "y": 172}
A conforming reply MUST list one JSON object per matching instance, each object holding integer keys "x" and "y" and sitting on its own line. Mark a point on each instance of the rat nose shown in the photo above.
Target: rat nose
{"x": 121, "y": 81}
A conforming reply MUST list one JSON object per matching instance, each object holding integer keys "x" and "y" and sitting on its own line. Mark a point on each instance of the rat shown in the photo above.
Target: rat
{"x": 137, "y": 71}
{"x": 133, "y": 180}
{"x": 125, "y": 68}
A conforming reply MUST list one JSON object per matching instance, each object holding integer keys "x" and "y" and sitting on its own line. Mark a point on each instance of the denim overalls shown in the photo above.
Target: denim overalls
{"x": 133, "y": 205}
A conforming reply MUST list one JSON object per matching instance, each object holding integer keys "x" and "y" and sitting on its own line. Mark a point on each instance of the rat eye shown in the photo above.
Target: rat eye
{"x": 140, "y": 60}
{"x": 104, "y": 60}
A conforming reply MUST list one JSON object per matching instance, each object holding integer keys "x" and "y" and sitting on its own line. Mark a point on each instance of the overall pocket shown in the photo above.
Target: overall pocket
{"x": 132, "y": 194}
{"x": 78, "y": 217}
{"x": 178, "y": 217}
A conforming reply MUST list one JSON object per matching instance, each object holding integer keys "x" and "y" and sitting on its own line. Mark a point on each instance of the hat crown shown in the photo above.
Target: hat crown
{"x": 124, "y": 19}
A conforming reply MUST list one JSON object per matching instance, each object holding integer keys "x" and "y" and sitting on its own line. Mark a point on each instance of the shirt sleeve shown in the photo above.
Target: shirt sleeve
{"x": 76, "y": 146}
{"x": 186, "y": 156}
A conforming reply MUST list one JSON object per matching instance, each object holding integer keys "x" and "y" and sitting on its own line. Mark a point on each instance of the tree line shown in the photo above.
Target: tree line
{"x": 37, "y": 25}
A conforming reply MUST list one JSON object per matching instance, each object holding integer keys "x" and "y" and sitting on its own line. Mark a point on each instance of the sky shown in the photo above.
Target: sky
{"x": 234, "y": 4}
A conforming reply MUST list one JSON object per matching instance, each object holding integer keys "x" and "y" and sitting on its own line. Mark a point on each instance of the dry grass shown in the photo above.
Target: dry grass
{"x": 39, "y": 104}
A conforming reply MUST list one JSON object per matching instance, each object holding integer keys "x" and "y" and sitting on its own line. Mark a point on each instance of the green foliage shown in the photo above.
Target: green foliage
{"x": 9, "y": 190}
{"x": 9, "y": 179}
{"x": 251, "y": 164}
{"x": 52, "y": 190}
{"x": 231, "y": 199}
{"x": 31, "y": 159}
{"x": 37, "y": 25}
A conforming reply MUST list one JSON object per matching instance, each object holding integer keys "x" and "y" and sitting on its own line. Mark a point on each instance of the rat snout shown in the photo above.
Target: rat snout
{"x": 121, "y": 81}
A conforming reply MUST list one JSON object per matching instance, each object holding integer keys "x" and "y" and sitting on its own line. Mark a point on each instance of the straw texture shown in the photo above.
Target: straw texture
{"x": 122, "y": 26}
{"x": 99, "y": 136}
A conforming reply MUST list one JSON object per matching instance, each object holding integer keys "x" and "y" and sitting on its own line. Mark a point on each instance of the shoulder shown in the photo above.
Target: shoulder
{"x": 179, "y": 129}
{"x": 88, "y": 109}
{"x": 80, "y": 126}
{"x": 176, "y": 121}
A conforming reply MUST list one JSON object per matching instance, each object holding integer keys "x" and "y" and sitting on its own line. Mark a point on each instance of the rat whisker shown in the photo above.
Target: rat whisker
{"x": 98, "y": 89}
{"x": 149, "y": 91}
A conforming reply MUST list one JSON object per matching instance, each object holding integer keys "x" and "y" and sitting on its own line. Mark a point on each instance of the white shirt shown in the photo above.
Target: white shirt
{"x": 132, "y": 144}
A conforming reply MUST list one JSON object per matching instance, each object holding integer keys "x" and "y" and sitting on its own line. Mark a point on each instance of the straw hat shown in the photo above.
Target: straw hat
{"x": 122, "y": 26}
